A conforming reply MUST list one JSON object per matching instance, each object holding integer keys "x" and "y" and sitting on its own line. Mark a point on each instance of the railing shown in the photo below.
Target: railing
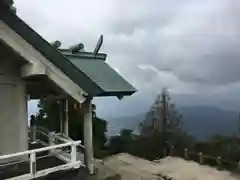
{"x": 39, "y": 134}
{"x": 45, "y": 137}
{"x": 63, "y": 138}
{"x": 205, "y": 159}
{"x": 72, "y": 163}
{"x": 64, "y": 155}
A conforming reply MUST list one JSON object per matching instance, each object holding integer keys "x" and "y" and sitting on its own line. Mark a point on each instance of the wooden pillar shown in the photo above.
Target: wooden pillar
{"x": 66, "y": 127}
{"x": 88, "y": 144}
{"x": 51, "y": 140}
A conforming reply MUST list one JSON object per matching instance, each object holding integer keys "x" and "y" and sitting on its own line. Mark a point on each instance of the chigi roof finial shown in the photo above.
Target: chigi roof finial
{"x": 98, "y": 46}
{"x": 77, "y": 48}
{"x": 57, "y": 44}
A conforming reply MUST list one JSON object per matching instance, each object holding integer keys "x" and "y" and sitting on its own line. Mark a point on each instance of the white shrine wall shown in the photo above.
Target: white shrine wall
{"x": 13, "y": 109}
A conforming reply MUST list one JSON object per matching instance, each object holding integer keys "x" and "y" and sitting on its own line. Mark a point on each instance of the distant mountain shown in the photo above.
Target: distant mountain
{"x": 115, "y": 125}
{"x": 200, "y": 121}
{"x": 204, "y": 122}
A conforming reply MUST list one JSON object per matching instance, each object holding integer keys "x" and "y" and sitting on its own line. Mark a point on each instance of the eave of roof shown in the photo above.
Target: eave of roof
{"x": 56, "y": 57}
{"x": 48, "y": 51}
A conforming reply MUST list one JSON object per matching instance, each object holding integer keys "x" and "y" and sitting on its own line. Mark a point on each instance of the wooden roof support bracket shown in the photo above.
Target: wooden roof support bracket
{"x": 33, "y": 69}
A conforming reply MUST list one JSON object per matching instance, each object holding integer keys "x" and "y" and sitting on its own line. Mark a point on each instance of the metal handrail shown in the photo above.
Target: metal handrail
{"x": 202, "y": 157}
{"x": 65, "y": 138}
{"x": 73, "y": 163}
{"x": 60, "y": 136}
{"x": 41, "y": 132}
{"x": 39, "y": 150}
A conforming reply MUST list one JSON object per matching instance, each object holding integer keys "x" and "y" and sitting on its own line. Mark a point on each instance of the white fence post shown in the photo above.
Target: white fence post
{"x": 74, "y": 163}
{"x": 186, "y": 154}
{"x": 51, "y": 140}
{"x": 32, "y": 131}
{"x": 73, "y": 153}
{"x": 238, "y": 164}
{"x": 33, "y": 164}
{"x": 219, "y": 160}
{"x": 200, "y": 157}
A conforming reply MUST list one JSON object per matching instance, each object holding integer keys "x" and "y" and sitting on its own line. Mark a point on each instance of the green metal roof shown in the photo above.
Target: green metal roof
{"x": 90, "y": 72}
{"x": 100, "y": 73}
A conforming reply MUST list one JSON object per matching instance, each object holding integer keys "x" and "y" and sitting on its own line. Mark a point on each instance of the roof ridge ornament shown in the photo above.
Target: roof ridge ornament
{"x": 56, "y": 44}
{"x": 98, "y": 46}
{"x": 76, "y": 48}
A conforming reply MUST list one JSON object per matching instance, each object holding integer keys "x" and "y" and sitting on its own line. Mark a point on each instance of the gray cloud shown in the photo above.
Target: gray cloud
{"x": 197, "y": 44}
{"x": 139, "y": 14}
{"x": 189, "y": 46}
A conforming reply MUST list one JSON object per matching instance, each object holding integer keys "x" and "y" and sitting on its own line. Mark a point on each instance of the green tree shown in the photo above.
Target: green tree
{"x": 162, "y": 116}
{"x": 161, "y": 128}
{"x": 162, "y": 125}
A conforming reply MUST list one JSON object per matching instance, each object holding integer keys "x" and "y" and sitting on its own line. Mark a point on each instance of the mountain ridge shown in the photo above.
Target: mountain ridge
{"x": 199, "y": 121}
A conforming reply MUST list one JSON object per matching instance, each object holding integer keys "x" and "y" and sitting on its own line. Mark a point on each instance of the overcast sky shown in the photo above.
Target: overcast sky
{"x": 189, "y": 46}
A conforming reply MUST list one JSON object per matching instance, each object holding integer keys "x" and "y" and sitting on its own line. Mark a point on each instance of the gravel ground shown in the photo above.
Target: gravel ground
{"x": 181, "y": 169}
{"x": 134, "y": 168}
